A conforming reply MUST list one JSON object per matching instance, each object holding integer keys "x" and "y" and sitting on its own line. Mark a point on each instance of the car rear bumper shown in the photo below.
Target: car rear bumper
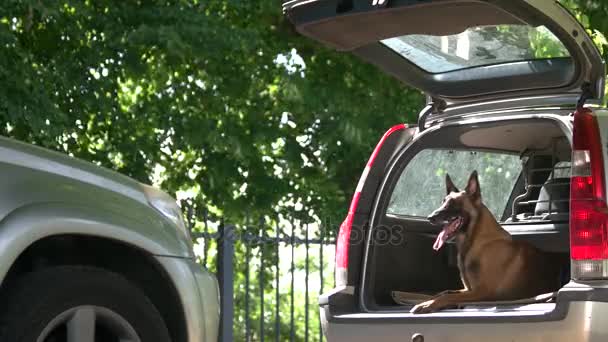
{"x": 579, "y": 315}
{"x": 199, "y": 295}
{"x": 585, "y": 321}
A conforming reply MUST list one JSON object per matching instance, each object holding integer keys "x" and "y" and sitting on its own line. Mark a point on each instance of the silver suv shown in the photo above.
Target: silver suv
{"x": 513, "y": 88}
{"x": 91, "y": 255}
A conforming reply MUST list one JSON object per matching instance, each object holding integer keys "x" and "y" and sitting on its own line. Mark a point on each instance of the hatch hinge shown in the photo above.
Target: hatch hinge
{"x": 434, "y": 106}
{"x": 586, "y": 95}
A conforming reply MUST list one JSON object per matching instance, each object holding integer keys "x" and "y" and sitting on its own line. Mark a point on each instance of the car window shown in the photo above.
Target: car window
{"x": 421, "y": 186}
{"x": 478, "y": 46}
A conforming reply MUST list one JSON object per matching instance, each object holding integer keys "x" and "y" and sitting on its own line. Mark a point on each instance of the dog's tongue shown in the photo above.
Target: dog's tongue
{"x": 441, "y": 238}
{"x": 444, "y": 234}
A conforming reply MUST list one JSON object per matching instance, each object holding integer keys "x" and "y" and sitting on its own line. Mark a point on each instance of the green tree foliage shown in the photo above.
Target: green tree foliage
{"x": 592, "y": 15}
{"x": 190, "y": 93}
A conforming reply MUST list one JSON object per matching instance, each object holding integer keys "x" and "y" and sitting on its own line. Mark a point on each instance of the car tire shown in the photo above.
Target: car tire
{"x": 63, "y": 303}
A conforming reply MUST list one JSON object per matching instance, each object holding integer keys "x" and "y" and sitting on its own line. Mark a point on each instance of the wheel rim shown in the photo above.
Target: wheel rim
{"x": 88, "y": 323}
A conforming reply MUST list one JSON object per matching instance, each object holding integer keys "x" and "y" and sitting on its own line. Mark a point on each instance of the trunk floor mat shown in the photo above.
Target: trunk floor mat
{"x": 410, "y": 298}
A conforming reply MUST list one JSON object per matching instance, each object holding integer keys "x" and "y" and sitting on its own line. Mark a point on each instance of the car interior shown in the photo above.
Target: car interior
{"x": 526, "y": 168}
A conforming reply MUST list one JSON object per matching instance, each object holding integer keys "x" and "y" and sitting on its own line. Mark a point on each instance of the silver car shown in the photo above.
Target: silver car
{"x": 91, "y": 255}
{"x": 513, "y": 91}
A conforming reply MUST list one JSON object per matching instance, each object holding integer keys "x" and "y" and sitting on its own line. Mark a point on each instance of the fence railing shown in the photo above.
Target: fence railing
{"x": 270, "y": 275}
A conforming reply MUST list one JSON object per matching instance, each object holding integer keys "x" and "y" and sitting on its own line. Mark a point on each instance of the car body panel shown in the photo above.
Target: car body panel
{"x": 30, "y": 223}
{"x": 371, "y": 177}
{"x": 602, "y": 121}
{"x": 561, "y": 104}
{"x": 199, "y": 295}
{"x": 577, "y": 316}
{"x": 51, "y": 194}
{"x": 32, "y": 157}
{"x": 584, "y": 321}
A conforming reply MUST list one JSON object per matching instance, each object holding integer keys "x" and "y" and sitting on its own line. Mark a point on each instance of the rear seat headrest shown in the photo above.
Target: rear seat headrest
{"x": 558, "y": 190}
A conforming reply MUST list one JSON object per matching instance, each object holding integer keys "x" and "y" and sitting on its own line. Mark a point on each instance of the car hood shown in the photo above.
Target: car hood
{"x": 25, "y": 155}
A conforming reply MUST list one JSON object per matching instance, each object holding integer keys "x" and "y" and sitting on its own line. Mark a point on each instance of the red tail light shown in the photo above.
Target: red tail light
{"x": 588, "y": 210}
{"x": 343, "y": 241}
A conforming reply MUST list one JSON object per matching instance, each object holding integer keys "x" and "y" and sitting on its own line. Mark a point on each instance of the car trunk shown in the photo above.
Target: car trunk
{"x": 400, "y": 262}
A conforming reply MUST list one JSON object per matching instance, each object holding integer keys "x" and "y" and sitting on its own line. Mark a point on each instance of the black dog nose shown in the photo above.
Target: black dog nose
{"x": 433, "y": 219}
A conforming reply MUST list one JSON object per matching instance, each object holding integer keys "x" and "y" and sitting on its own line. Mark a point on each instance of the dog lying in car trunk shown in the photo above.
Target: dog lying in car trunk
{"x": 492, "y": 266}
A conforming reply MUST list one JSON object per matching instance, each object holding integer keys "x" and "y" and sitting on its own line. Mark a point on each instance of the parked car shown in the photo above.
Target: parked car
{"x": 90, "y": 255}
{"x": 513, "y": 89}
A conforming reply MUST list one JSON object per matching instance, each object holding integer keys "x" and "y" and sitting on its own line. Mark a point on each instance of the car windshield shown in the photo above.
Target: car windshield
{"x": 478, "y": 46}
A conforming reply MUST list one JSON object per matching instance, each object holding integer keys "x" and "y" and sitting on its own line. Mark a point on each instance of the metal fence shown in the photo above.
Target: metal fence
{"x": 270, "y": 273}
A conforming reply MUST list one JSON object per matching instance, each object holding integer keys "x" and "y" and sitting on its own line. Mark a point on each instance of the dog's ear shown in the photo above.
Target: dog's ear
{"x": 473, "y": 188}
{"x": 449, "y": 185}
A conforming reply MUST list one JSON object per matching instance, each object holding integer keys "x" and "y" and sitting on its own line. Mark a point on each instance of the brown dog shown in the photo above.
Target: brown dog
{"x": 492, "y": 266}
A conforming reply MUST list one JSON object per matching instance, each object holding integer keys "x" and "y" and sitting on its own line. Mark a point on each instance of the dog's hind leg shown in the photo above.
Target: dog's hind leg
{"x": 450, "y": 299}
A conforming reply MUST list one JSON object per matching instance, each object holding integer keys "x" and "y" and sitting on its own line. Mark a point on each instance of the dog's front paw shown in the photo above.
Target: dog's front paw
{"x": 425, "y": 307}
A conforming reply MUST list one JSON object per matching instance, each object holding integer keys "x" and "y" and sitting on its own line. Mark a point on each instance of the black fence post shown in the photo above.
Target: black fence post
{"x": 226, "y": 281}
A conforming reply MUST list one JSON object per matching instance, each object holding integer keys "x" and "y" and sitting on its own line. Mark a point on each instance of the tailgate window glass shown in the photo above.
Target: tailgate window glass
{"x": 478, "y": 46}
{"x": 421, "y": 187}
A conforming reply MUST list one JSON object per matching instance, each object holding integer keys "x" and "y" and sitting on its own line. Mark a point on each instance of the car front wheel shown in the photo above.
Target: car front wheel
{"x": 78, "y": 304}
